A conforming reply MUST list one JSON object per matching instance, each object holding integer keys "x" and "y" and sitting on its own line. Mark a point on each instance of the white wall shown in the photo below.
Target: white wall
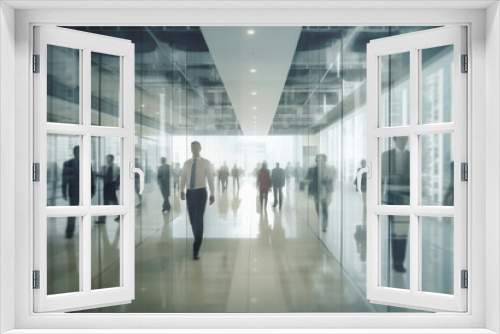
{"x": 492, "y": 153}
{"x": 7, "y": 159}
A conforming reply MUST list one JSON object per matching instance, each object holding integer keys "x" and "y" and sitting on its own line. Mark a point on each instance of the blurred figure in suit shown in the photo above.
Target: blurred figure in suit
{"x": 264, "y": 185}
{"x": 71, "y": 186}
{"x": 321, "y": 187}
{"x": 235, "y": 173}
{"x": 395, "y": 171}
{"x": 278, "y": 182}
{"x": 163, "y": 180}
{"x": 111, "y": 176}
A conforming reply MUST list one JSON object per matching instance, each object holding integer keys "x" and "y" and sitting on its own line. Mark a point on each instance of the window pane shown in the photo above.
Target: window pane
{"x": 105, "y": 257}
{"x": 395, "y": 90}
{"x": 437, "y": 254}
{"x": 394, "y": 242}
{"x": 63, "y": 85}
{"x": 63, "y": 255}
{"x": 437, "y": 84}
{"x": 105, "y": 89}
{"x": 395, "y": 171}
{"x": 63, "y": 170}
{"x": 106, "y": 162}
{"x": 437, "y": 169}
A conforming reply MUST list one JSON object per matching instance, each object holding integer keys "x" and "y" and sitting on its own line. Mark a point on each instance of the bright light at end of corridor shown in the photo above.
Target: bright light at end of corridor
{"x": 250, "y": 32}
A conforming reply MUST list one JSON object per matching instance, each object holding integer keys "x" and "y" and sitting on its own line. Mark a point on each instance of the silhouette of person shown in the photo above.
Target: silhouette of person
{"x": 177, "y": 176}
{"x": 363, "y": 188}
{"x": 71, "y": 186}
{"x": 137, "y": 181}
{"x": 278, "y": 182}
{"x": 163, "y": 180}
{"x": 111, "y": 175}
{"x": 224, "y": 176}
{"x": 395, "y": 171}
{"x": 198, "y": 171}
{"x": 321, "y": 188}
{"x": 264, "y": 185}
{"x": 235, "y": 173}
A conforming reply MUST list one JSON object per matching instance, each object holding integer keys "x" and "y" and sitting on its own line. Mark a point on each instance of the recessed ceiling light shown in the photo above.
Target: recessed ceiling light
{"x": 254, "y": 108}
{"x": 250, "y": 31}
{"x": 254, "y": 93}
{"x": 253, "y": 70}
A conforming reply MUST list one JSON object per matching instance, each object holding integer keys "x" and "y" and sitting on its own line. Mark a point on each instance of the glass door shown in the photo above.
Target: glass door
{"x": 84, "y": 145}
{"x": 417, "y": 98}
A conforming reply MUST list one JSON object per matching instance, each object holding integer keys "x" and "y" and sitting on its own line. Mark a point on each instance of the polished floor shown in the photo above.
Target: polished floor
{"x": 252, "y": 260}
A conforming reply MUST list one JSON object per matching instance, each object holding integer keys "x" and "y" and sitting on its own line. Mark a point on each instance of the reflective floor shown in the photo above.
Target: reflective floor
{"x": 251, "y": 261}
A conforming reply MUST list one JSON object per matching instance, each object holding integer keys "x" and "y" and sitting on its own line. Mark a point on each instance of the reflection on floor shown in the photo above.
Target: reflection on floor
{"x": 251, "y": 261}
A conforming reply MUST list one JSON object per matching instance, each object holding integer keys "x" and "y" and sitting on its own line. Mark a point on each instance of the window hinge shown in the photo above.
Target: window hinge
{"x": 36, "y": 172}
{"x": 465, "y": 64}
{"x": 36, "y": 279}
{"x": 464, "y": 171}
{"x": 465, "y": 279}
{"x": 36, "y": 63}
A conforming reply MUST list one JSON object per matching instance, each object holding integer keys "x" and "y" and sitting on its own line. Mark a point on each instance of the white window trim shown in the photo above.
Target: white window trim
{"x": 483, "y": 104}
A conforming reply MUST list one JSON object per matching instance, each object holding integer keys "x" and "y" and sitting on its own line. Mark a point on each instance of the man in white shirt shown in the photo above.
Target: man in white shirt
{"x": 195, "y": 174}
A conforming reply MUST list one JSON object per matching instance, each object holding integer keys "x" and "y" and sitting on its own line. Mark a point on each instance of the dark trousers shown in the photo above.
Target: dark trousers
{"x": 321, "y": 207}
{"x": 109, "y": 194}
{"x": 278, "y": 192}
{"x": 196, "y": 203}
{"x": 165, "y": 192}
{"x": 70, "y": 225}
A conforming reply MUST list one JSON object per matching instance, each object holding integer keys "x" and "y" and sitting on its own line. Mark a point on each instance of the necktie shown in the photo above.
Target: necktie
{"x": 193, "y": 174}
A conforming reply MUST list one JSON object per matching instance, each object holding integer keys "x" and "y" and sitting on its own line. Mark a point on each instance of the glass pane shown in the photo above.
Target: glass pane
{"x": 105, "y": 89}
{"x": 63, "y": 85}
{"x": 437, "y": 84}
{"x": 105, "y": 257}
{"x": 394, "y": 242}
{"x": 63, "y": 255}
{"x": 395, "y": 90}
{"x": 63, "y": 170}
{"x": 395, "y": 171}
{"x": 437, "y": 169}
{"x": 106, "y": 162}
{"x": 437, "y": 254}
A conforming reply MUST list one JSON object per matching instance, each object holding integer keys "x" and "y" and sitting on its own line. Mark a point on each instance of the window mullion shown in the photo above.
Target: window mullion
{"x": 415, "y": 157}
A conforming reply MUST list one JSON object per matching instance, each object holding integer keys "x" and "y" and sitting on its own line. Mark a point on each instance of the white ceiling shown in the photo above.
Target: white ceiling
{"x": 270, "y": 52}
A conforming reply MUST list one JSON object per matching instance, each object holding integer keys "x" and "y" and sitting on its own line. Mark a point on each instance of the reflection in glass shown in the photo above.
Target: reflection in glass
{"x": 105, "y": 254}
{"x": 63, "y": 170}
{"x": 437, "y": 169}
{"x": 395, "y": 171}
{"x": 106, "y": 159}
{"x": 394, "y": 242}
{"x": 395, "y": 90}
{"x": 63, "y": 85}
{"x": 437, "y": 254}
{"x": 105, "y": 89}
{"x": 63, "y": 261}
{"x": 437, "y": 84}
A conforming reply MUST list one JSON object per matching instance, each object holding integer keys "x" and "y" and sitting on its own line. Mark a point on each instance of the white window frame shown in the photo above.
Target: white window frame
{"x": 484, "y": 236}
{"x": 377, "y": 133}
{"x": 86, "y": 44}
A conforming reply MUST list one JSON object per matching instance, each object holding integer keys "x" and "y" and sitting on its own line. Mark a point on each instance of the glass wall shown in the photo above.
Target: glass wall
{"x": 316, "y": 229}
